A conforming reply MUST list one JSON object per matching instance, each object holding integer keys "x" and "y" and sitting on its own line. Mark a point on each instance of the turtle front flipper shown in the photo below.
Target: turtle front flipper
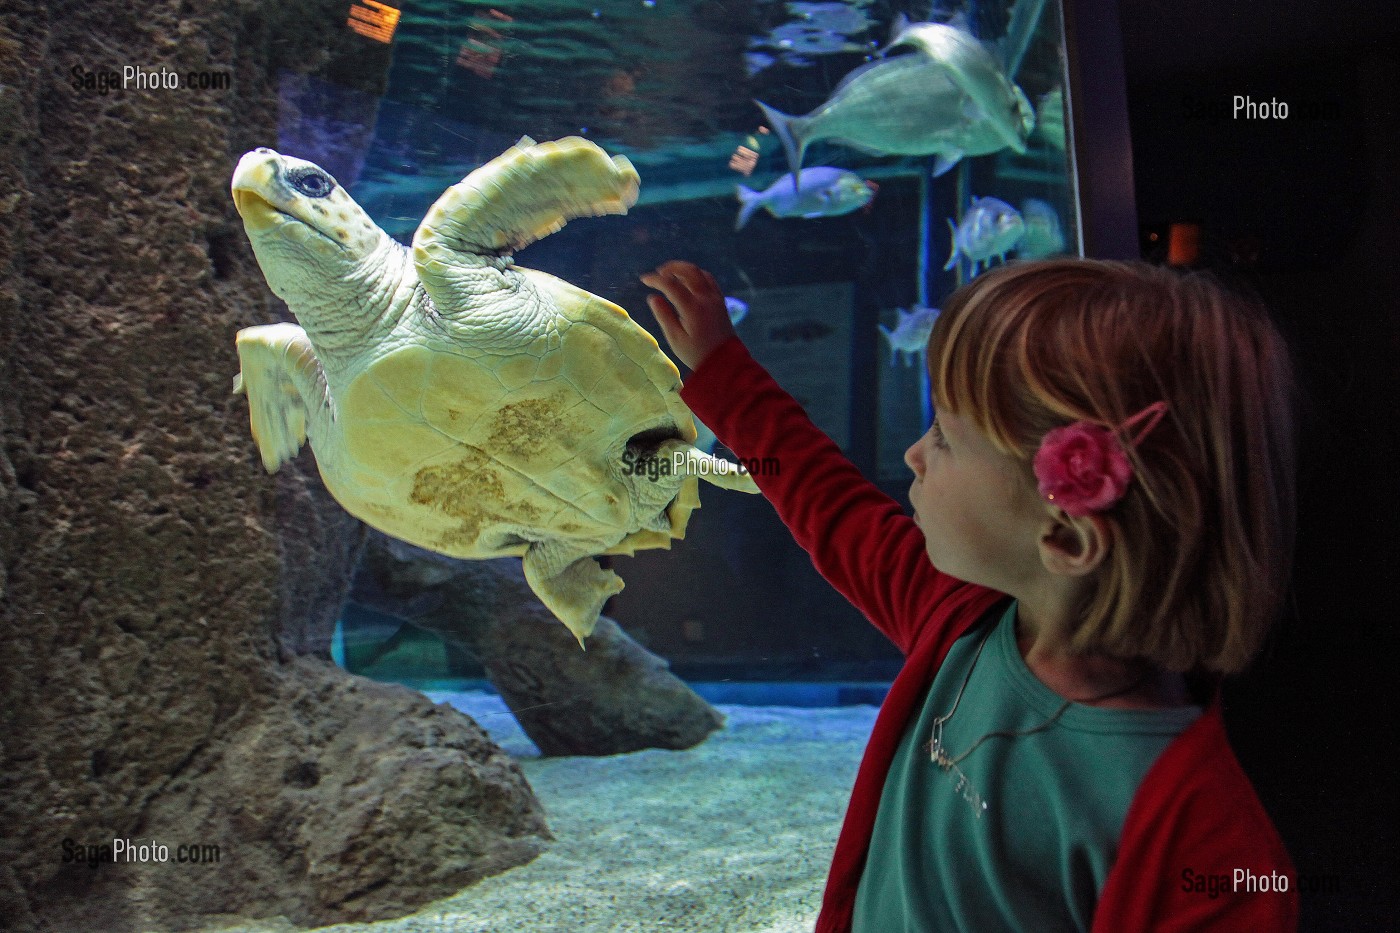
{"x": 527, "y": 192}
{"x": 283, "y": 380}
{"x": 570, "y": 583}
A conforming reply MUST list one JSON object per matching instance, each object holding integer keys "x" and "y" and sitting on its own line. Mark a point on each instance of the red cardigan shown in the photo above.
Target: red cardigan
{"x": 1195, "y": 819}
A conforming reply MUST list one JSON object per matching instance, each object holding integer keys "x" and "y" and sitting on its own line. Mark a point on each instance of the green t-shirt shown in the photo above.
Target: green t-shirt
{"x": 1027, "y": 840}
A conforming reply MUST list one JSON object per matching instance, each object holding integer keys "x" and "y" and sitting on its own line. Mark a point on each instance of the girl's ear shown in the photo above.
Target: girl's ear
{"x": 1074, "y": 547}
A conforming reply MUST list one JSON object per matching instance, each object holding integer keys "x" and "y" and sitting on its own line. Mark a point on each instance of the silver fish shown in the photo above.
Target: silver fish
{"x": 754, "y": 62}
{"x": 945, "y": 96}
{"x": 909, "y": 339}
{"x": 738, "y": 310}
{"x": 1044, "y": 234}
{"x": 989, "y": 230}
{"x": 830, "y": 17}
{"x": 818, "y": 29}
{"x": 1050, "y": 118}
{"x": 827, "y": 192}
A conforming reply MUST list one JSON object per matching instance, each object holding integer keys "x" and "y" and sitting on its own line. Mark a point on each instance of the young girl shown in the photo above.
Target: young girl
{"x": 1102, "y": 509}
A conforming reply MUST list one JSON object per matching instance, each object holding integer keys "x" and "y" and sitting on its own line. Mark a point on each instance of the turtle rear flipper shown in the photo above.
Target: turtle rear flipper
{"x": 689, "y": 461}
{"x": 282, "y": 378}
{"x": 570, "y": 583}
{"x": 527, "y": 192}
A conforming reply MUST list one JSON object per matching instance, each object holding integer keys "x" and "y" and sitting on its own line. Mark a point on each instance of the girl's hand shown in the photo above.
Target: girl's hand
{"x": 692, "y": 315}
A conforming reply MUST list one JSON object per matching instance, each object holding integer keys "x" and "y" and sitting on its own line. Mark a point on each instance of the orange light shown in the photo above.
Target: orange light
{"x": 479, "y": 58}
{"x": 477, "y": 54}
{"x": 1183, "y": 244}
{"x": 744, "y": 160}
{"x": 374, "y": 20}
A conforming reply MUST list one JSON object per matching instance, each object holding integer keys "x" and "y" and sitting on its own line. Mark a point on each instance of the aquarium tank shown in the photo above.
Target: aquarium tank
{"x": 295, "y": 659}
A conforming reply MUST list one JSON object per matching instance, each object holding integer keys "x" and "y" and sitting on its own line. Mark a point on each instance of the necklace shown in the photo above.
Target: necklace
{"x": 946, "y": 763}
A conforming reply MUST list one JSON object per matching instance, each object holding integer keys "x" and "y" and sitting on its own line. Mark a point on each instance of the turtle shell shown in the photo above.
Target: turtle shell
{"x": 478, "y": 452}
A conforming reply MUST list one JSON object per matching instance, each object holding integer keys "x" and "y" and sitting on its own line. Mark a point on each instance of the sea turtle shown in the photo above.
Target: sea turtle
{"x": 460, "y": 402}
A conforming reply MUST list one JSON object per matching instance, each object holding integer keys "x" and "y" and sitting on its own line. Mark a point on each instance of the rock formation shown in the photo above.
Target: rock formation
{"x": 611, "y": 698}
{"x": 167, "y": 605}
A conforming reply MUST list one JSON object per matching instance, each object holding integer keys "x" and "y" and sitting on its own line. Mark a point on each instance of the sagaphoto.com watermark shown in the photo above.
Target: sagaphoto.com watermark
{"x": 654, "y": 468}
{"x": 138, "y": 851}
{"x": 1243, "y": 881}
{"x": 136, "y": 78}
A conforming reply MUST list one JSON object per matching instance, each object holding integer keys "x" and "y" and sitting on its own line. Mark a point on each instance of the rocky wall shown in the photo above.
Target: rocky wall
{"x": 166, "y": 604}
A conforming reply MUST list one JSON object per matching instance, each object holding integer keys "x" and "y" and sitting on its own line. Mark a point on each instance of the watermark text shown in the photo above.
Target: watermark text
{"x": 1244, "y": 881}
{"x": 126, "y": 851}
{"x": 136, "y": 78}
{"x": 678, "y": 464}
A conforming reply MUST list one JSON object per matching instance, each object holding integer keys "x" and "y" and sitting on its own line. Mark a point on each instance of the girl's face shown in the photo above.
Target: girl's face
{"x": 979, "y": 517}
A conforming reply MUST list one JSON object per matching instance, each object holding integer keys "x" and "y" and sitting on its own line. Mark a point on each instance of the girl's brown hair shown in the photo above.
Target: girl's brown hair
{"x": 1202, "y": 540}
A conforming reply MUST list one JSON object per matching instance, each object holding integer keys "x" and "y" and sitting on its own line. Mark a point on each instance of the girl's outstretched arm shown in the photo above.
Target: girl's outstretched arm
{"x": 860, "y": 539}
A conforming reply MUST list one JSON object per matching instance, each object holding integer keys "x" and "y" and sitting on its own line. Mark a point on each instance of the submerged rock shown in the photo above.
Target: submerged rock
{"x": 614, "y": 697}
{"x": 379, "y": 799}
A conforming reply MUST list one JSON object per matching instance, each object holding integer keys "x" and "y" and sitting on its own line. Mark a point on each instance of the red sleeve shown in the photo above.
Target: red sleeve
{"x": 859, "y": 538}
{"x": 1198, "y": 852}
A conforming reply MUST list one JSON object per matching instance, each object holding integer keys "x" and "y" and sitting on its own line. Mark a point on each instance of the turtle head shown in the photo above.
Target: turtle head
{"x": 306, "y": 230}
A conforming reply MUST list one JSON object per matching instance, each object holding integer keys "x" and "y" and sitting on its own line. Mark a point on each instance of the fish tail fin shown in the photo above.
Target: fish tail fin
{"x": 901, "y": 23}
{"x": 782, "y": 126}
{"x": 749, "y": 201}
{"x": 944, "y": 163}
{"x": 953, "y": 256}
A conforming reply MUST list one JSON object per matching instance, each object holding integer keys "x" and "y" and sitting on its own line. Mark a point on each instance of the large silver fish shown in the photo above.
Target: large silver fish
{"x": 946, "y": 96}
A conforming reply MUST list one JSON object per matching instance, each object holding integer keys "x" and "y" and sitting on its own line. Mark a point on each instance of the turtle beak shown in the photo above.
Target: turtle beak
{"x": 257, "y": 214}
{"x": 256, "y": 173}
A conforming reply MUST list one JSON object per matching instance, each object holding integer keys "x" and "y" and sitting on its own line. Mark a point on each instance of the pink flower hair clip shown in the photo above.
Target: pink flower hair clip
{"x": 1083, "y": 468}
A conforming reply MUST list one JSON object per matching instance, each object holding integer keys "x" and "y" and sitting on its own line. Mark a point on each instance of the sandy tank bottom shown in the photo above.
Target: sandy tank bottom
{"x": 734, "y": 836}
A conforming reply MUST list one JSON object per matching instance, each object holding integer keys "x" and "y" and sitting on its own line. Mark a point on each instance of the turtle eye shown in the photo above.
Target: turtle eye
{"x": 311, "y": 182}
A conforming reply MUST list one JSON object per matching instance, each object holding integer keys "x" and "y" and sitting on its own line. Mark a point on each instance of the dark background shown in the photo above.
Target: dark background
{"x": 1305, "y": 210}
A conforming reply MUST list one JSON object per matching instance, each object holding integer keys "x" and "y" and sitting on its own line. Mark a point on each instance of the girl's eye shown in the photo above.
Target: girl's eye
{"x": 939, "y": 440}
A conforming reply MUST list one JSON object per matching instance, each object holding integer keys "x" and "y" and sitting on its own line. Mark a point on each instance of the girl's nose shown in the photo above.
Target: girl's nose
{"x": 913, "y": 458}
